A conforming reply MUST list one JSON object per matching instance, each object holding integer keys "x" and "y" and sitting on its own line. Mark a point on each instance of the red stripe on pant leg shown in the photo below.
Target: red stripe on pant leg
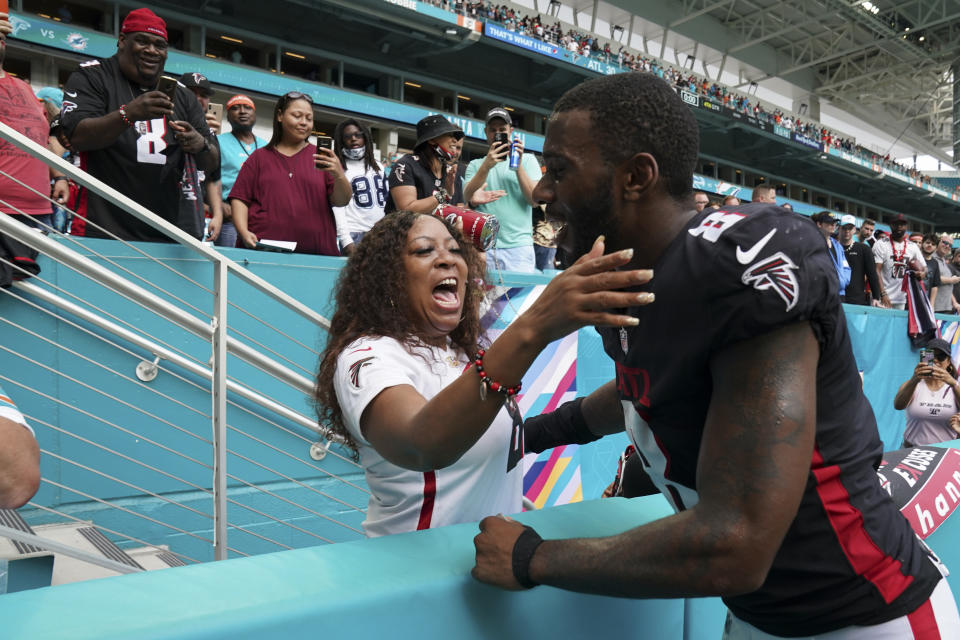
{"x": 923, "y": 623}
{"x": 429, "y": 495}
{"x": 865, "y": 557}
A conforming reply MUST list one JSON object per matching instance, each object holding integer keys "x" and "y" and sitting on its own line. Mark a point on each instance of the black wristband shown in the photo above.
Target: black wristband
{"x": 523, "y": 550}
{"x": 61, "y": 178}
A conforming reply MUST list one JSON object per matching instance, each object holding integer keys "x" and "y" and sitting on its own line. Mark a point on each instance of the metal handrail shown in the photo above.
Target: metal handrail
{"x": 67, "y": 550}
{"x": 113, "y": 196}
{"x": 191, "y": 323}
{"x": 210, "y": 328}
{"x": 148, "y": 345}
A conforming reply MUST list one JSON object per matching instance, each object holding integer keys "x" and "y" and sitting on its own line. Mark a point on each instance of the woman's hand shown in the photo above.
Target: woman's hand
{"x": 327, "y": 160}
{"x": 922, "y": 371}
{"x": 583, "y": 294}
{"x": 249, "y": 238}
{"x": 955, "y": 423}
{"x": 939, "y": 373}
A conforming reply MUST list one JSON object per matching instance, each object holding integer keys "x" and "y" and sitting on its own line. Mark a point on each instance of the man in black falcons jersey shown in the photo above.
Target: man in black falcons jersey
{"x": 136, "y": 138}
{"x": 739, "y": 389}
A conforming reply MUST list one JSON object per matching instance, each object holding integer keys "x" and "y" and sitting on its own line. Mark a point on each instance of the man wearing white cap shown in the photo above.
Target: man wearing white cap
{"x": 862, "y": 269}
{"x": 514, "y": 249}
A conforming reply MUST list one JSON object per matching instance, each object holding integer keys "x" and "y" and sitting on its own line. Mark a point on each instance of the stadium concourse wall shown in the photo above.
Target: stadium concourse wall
{"x": 414, "y": 585}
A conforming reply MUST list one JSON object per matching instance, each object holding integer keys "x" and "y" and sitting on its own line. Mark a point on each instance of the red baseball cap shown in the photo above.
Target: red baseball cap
{"x": 146, "y": 21}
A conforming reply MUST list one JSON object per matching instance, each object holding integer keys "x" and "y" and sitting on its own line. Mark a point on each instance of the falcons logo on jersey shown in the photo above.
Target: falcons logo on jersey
{"x": 777, "y": 273}
{"x": 355, "y": 370}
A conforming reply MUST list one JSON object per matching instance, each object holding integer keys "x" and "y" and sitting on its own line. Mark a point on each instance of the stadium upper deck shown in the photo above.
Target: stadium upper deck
{"x": 392, "y": 62}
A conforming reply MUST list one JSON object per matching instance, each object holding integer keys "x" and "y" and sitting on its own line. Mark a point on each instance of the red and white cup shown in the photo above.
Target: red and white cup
{"x": 480, "y": 228}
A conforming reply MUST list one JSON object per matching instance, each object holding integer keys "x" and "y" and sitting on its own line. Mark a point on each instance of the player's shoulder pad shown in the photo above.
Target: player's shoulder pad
{"x": 755, "y": 245}
{"x": 748, "y": 229}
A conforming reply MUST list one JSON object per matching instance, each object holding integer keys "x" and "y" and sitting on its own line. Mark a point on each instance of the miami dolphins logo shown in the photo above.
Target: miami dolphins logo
{"x": 76, "y": 41}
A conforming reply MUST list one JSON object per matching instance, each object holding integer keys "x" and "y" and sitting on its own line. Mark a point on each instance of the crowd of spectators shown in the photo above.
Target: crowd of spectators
{"x": 588, "y": 44}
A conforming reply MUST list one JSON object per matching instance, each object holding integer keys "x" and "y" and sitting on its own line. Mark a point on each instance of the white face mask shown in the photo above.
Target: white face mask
{"x": 355, "y": 154}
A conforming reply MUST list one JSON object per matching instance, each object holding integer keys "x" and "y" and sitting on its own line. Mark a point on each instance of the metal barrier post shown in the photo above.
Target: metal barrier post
{"x": 219, "y": 394}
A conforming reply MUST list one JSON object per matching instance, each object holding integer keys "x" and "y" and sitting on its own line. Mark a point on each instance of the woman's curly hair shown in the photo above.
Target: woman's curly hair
{"x": 371, "y": 300}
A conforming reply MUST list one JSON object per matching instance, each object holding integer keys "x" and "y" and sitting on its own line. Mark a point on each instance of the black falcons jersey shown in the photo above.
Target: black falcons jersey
{"x": 144, "y": 163}
{"x": 849, "y": 557}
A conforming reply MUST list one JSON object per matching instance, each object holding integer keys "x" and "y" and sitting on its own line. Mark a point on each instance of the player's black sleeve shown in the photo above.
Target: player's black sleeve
{"x": 564, "y": 425}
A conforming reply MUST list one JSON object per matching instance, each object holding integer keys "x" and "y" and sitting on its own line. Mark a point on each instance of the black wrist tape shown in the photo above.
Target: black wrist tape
{"x": 565, "y": 425}
{"x": 523, "y": 550}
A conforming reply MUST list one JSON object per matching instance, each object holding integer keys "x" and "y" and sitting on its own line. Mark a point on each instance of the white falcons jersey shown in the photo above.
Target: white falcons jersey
{"x": 477, "y": 485}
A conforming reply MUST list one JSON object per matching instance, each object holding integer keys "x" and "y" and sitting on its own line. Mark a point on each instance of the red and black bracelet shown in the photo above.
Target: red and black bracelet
{"x": 123, "y": 115}
{"x": 486, "y": 382}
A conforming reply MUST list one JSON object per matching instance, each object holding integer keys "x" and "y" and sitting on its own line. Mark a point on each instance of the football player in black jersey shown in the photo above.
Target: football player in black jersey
{"x": 739, "y": 389}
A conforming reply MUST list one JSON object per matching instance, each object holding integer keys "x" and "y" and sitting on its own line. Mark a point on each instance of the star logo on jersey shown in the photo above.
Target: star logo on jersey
{"x": 355, "y": 370}
{"x": 777, "y": 273}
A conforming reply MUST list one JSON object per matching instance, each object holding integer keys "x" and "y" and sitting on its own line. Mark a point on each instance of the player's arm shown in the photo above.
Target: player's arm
{"x": 19, "y": 464}
{"x": 576, "y": 422}
{"x": 754, "y": 461}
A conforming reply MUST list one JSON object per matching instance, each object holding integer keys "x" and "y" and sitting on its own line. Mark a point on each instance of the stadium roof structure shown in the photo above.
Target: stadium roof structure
{"x": 893, "y": 64}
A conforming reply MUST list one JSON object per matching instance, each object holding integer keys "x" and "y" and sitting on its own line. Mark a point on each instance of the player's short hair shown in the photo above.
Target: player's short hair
{"x": 869, "y": 221}
{"x": 638, "y": 112}
{"x": 764, "y": 187}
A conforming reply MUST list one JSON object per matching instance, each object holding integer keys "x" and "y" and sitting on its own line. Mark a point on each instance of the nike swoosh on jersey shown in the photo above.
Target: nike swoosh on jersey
{"x": 70, "y": 94}
{"x": 746, "y": 257}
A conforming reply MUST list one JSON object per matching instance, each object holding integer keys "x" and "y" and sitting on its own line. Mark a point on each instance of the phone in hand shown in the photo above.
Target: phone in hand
{"x": 216, "y": 110}
{"x": 324, "y": 142}
{"x": 926, "y": 357}
{"x": 168, "y": 85}
{"x": 501, "y": 137}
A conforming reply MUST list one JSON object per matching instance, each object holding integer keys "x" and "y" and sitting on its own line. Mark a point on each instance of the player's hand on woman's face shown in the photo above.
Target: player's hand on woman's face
{"x": 586, "y": 293}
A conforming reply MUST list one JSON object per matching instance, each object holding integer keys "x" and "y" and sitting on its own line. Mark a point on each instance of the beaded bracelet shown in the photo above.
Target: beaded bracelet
{"x": 123, "y": 115}
{"x": 488, "y": 383}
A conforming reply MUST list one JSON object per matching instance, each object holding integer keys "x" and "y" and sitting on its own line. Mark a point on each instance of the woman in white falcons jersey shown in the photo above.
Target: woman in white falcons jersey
{"x": 353, "y": 146}
{"x": 403, "y": 381}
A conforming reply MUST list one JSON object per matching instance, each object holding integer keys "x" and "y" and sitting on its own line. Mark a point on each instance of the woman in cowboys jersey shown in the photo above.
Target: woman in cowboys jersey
{"x": 354, "y": 148}
{"x": 403, "y": 382}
